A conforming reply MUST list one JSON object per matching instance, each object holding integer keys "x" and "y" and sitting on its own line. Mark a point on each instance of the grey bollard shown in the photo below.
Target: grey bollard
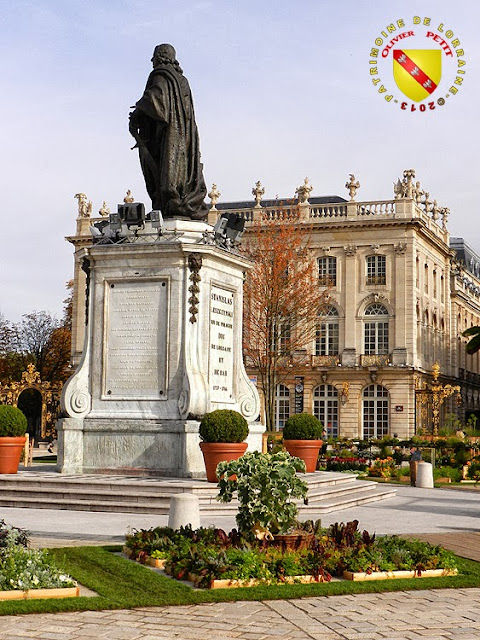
{"x": 184, "y": 509}
{"x": 424, "y": 475}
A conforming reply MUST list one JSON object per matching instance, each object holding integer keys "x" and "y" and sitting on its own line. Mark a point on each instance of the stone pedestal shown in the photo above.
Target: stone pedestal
{"x": 424, "y": 475}
{"x": 184, "y": 510}
{"x": 163, "y": 346}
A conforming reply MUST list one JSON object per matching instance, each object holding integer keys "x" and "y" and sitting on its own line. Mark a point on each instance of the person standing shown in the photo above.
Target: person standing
{"x": 416, "y": 456}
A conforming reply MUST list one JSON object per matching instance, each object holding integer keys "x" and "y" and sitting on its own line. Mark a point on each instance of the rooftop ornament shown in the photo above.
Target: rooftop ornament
{"x": 405, "y": 188}
{"x": 258, "y": 192}
{"x": 214, "y": 194}
{"x": 303, "y": 191}
{"x": 352, "y": 185}
{"x": 105, "y": 210}
{"x": 84, "y": 205}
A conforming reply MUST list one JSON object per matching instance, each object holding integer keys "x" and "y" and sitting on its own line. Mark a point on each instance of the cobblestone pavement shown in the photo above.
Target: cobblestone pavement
{"x": 432, "y": 614}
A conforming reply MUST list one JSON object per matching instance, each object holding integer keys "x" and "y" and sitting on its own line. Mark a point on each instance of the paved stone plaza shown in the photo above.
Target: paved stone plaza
{"x": 436, "y": 615}
{"x": 441, "y": 515}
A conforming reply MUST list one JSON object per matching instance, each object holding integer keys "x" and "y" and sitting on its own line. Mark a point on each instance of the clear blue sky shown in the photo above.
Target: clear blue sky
{"x": 282, "y": 91}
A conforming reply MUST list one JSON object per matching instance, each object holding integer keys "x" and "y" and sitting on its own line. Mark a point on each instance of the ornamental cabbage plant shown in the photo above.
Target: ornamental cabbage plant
{"x": 266, "y": 485}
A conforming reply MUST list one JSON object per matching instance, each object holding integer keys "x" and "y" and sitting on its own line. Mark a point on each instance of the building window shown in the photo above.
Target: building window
{"x": 326, "y": 342}
{"x": 417, "y": 273}
{"x": 327, "y": 271}
{"x": 376, "y": 330}
{"x": 281, "y": 337}
{"x": 376, "y": 270}
{"x": 426, "y": 337}
{"x": 375, "y": 412}
{"x": 282, "y": 406}
{"x": 434, "y": 274}
{"x": 426, "y": 278}
{"x": 442, "y": 298}
{"x": 325, "y": 408}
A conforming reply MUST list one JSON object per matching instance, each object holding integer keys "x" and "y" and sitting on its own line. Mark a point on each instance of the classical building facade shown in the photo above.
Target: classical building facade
{"x": 401, "y": 294}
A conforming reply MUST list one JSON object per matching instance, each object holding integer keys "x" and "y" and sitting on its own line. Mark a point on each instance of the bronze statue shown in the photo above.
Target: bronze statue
{"x": 163, "y": 125}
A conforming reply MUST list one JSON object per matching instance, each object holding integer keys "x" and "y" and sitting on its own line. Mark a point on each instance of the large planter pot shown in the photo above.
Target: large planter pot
{"x": 10, "y": 452}
{"x": 215, "y": 452}
{"x": 307, "y": 450}
{"x": 292, "y": 541}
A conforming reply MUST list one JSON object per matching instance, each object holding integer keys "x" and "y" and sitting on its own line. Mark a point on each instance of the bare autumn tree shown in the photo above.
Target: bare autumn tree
{"x": 39, "y": 338}
{"x": 282, "y": 302}
{"x": 10, "y": 362}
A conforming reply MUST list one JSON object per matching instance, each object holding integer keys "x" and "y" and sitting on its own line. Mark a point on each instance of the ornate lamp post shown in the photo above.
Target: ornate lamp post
{"x": 436, "y": 394}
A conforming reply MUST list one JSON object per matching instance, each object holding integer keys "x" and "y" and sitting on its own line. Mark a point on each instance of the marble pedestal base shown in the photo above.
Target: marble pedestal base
{"x": 163, "y": 346}
{"x": 136, "y": 447}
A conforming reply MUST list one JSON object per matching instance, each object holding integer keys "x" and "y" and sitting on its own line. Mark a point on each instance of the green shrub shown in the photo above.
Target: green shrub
{"x": 223, "y": 425}
{"x": 474, "y": 471}
{"x": 12, "y": 422}
{"x": 302, "y": 426}
{"x": 447, "y": 472}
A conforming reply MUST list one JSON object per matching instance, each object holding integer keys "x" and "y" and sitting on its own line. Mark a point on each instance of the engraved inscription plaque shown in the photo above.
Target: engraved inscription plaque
{"x": 222, "y": 305}
{"x": 135, "y": 341}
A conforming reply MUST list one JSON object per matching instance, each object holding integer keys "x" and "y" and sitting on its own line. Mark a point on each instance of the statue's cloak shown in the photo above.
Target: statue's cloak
{"x": 170, "y": 153}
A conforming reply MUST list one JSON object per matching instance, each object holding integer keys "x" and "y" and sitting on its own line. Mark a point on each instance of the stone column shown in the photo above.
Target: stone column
{"x": 403, "y": 312}
{"x": 350, "y": 287}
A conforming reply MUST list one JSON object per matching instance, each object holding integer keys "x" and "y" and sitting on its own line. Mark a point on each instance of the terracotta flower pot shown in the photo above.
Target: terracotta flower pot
{"x": 307, "y": 450}
{"x": 215, "y": 452}
{"x": 292, "y": 541}
{"x": 10, "y": 452}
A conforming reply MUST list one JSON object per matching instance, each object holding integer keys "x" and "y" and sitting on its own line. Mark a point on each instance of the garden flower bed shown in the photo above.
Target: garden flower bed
{"x": 214, "y": 559}
{"x": 29, "y": 573}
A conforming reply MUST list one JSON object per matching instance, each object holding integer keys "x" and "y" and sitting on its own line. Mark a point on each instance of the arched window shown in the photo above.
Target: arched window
{"x": 282, "y": 406}
{"x": 325, "y": 407}
{"x": 375, "y": 412}
{"x": 326, "y": 342}
{"x": 376, "y": 270}
{"x": 376, "y": 329}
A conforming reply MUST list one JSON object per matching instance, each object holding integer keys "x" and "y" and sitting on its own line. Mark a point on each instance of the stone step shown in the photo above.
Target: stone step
{"x": 346, "y": 501}
{"x": 51, "y": 490}
{"x": 85, "y": 505}
{"x": 319, "y": 494}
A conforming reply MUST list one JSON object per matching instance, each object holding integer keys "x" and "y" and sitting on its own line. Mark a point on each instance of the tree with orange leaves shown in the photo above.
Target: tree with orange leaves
{"x": 282, "y": 302}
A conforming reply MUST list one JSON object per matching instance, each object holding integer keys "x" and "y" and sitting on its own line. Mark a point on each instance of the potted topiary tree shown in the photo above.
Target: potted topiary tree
{"x": 13, "y": 426}
{"x": 222, "y": 433}
{"x": 302, "y": 438}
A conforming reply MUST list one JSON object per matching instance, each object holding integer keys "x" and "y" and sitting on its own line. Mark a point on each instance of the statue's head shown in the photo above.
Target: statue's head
{"x": 164, "y": 53}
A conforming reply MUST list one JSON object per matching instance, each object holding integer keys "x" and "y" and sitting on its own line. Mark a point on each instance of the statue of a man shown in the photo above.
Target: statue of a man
{"x": 163, "y": 125}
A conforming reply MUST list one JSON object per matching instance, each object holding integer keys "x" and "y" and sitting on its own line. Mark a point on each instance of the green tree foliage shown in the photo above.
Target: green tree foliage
{"x": 473, "y": 345}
